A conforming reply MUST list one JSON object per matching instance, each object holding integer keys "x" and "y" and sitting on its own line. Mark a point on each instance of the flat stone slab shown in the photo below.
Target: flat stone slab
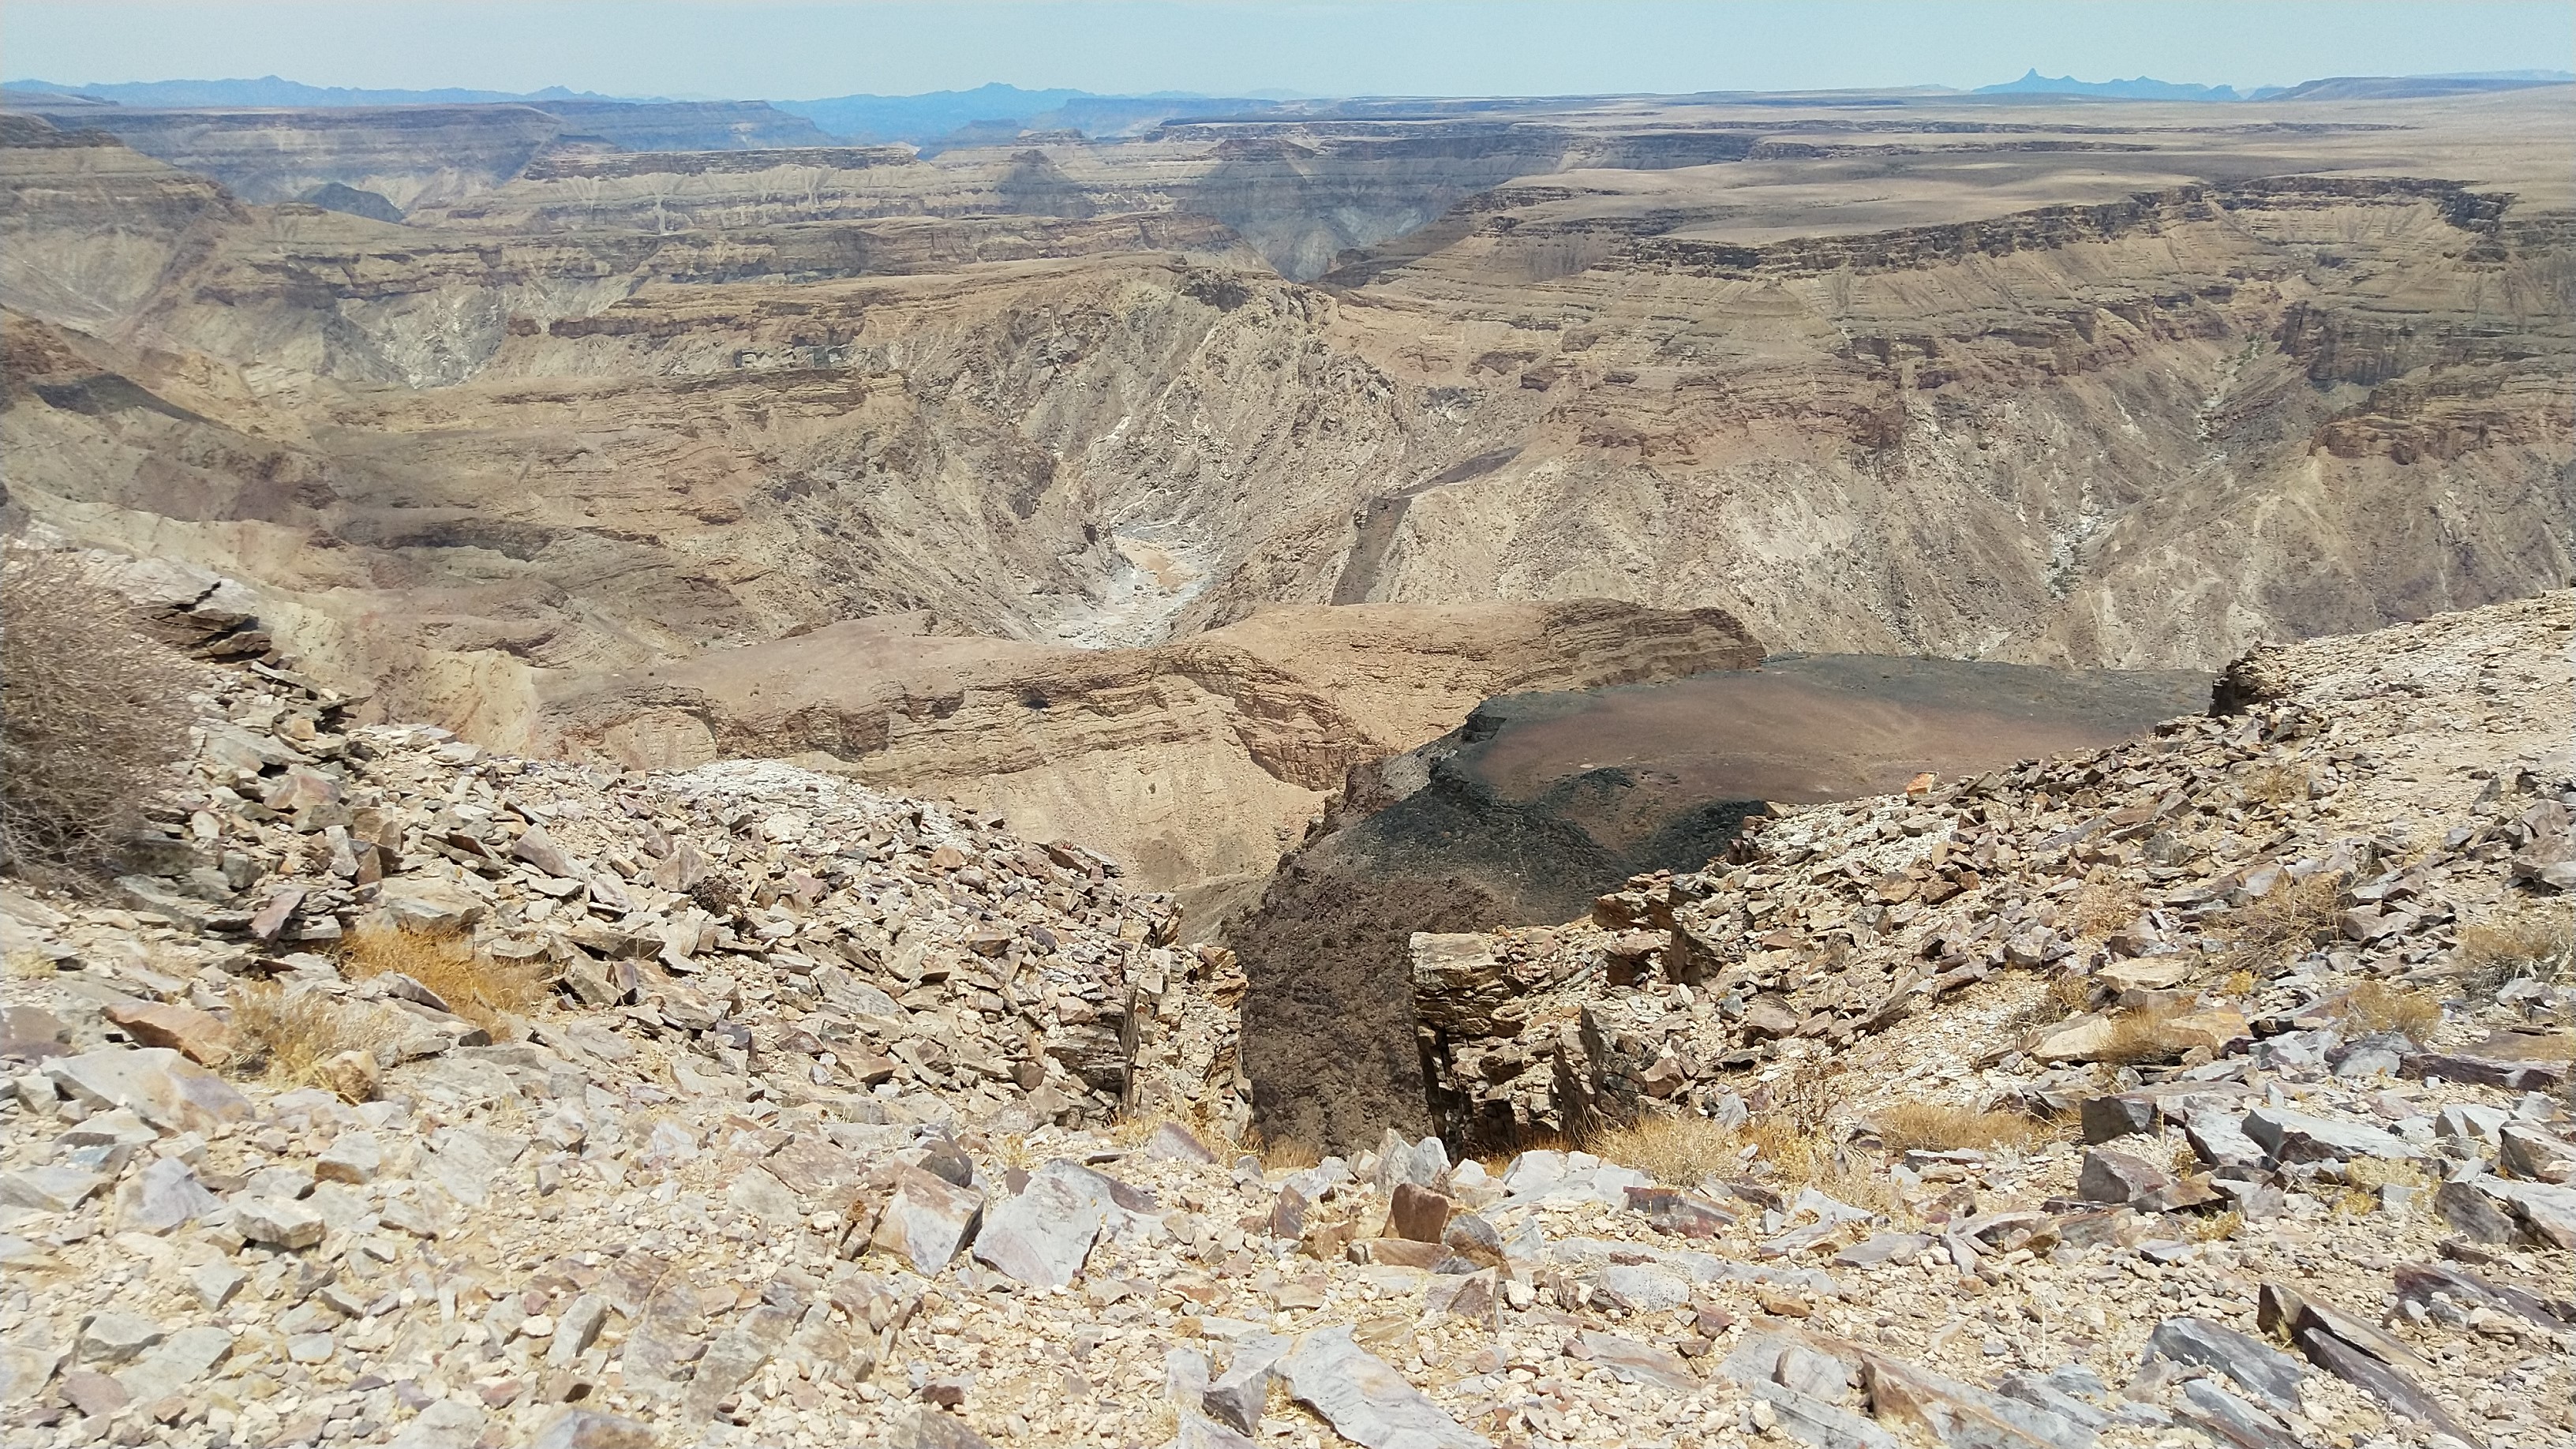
{"x": 1043, "y": 1236}
{"x": 2270, "y": 1375}
{"x": 1367, "y": 1401}
{"x": 2291, "y": 1136}
{"x": 156, "y": 1083}
{"x": 1640, "y": 1363}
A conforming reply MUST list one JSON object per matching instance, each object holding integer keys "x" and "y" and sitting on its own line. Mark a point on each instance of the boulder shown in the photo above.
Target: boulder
{"x": 1042, "y": 1236}
{"x": 1418, "y": 1213}
{"x": 277, "y": 1222}
{"x": 200, "y": 1036}
{"x": 2120, "y": 1179}
{"x": 927, "y": 1221}
{"x": 423, "y": 903}
{"x": 2546, "y": 1211}
{"x": 156, "y": 1083}
{"x": 2528, "y": 1152}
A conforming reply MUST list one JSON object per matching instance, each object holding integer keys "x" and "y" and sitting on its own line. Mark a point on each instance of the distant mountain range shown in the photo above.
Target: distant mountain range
{"x": 271, "y": 90}
{"x": 930, "y": 120}
{"x": 997, "y": 113}
{"x": 1001, "y": 111}
{"x": 2336, "y": 88}
{"x": 2144, "y": 88}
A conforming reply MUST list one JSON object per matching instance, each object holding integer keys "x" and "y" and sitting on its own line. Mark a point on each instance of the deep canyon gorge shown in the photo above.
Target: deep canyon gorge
{"x": 1847, "y": 768}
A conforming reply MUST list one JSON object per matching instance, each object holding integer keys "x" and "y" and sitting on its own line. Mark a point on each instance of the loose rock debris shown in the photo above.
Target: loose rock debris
{"x": 852, "y": 1119}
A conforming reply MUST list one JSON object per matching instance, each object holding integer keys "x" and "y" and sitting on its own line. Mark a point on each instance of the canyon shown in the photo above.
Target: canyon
{"x": 1140, "y": 487}
{"x": 1850, "y": 768}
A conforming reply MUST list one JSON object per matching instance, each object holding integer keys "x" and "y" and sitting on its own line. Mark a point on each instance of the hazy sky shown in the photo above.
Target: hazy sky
{"x": 769, "y": 48}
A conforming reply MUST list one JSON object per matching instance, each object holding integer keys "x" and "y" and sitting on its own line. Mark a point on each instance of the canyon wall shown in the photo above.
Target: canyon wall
{"x": 594, "y": 439}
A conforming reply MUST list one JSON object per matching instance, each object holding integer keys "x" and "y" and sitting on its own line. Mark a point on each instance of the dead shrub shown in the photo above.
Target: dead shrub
{"x": 1933, "y": 1126}
{"x": 482, "y": 989}
{"x": 2536, "y": 942}
{"x": 285, "y": 1035}
{"x": 2375, "y": 1006}
{"x": 1791, "y": 1131}
{"x": 92, "y": 715}
{"x": 1684, "y": 1149}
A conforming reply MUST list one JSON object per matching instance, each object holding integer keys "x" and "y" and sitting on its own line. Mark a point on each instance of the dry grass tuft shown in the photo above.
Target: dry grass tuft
{"x": 2103, "y": 907}
{"x": 2536, "y": 942}
{"x": 2216, "y": 1227}
{"x": 482, "y": 989}
{"x": 1289, "y": 1154}
{"x": 2374, "y": 1173}
{"x": 2065, "y": 994}
{"x": 1931, "y": 1126}
{"x": 2280, "y": 924}
{"x": 286, "y": 1035}
{"x": 92, "y": 715}
{"x": 2375, "y": 1007}
{"x": 2140, "y": 1034}
{"x": 1680, "y": 1148}
{"x": 2278, "y": 784}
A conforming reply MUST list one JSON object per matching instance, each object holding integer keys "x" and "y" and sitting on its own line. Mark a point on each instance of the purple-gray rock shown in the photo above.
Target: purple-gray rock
{"x": 2270, "y": 1375}
{"x": 2382, "y": 1381}
{"x": 2119, "y": 1179}
{"x": 1238, "y": 1395}
{"x": 2293, "y": 1136}
{"x": 2225, "y": 1416}
{"x": 2106, "y": 1119}
{"x": 163, "y": 1195}
{"x": 572, "y": 1428}
{"x": 2472, "y": 1214}
{"x": 1629, "y": 1361}
{"x": 1963, "y": 1416}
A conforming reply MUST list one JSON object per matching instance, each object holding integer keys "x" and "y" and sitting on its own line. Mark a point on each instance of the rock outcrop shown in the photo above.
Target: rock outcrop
{"x": 2324, "y": 837}
{"x": 1541, "y": 801}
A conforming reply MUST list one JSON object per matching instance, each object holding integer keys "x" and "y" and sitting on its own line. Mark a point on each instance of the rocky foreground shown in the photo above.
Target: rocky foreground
{"x": 837, "y": 1118}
